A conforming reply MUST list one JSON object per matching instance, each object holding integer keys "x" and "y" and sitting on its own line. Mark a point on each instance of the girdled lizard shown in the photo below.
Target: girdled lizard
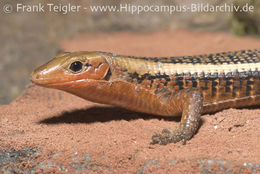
{"x": 168, "y": 86}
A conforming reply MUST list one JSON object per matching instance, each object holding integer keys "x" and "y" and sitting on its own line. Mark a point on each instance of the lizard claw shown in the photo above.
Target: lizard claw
{"x": 157, "y": 139}
{"x": 161, "y": 139}
{"x": 184, "y": 141}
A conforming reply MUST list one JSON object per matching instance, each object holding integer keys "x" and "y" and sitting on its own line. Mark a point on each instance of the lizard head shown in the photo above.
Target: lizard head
{"x": 70, "y": 69}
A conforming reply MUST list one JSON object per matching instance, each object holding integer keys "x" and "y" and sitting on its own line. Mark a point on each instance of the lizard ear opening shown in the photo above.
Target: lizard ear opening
{"x": 108, "y": 75}
{"x": 96, "y": 71}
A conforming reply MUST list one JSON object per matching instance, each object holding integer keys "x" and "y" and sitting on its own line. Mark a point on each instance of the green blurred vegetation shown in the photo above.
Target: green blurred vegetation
{"x": 245, "y": 23}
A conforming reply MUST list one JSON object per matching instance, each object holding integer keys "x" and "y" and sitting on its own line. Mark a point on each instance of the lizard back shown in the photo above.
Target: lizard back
{"x": 227, "y": 79}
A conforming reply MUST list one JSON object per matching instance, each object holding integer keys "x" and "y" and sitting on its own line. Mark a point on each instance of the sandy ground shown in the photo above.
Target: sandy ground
{"x": 47, "y": 130}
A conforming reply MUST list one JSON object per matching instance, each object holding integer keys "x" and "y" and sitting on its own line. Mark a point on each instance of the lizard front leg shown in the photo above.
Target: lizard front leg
{"x": 189, "y": 102}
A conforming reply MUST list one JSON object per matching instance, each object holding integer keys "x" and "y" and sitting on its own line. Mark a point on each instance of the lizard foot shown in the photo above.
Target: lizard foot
{"x": 171, "y": 136}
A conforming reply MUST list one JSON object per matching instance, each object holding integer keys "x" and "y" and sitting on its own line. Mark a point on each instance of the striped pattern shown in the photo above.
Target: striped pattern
{"x": 220, "y": 77}
{"x": 229, "y": 62}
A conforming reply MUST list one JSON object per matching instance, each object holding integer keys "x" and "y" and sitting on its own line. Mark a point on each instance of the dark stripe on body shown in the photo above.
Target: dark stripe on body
{"x": 232, "y": 82}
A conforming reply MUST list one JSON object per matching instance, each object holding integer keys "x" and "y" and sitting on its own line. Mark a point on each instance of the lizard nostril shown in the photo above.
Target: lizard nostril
{"x": 35, "y": 76}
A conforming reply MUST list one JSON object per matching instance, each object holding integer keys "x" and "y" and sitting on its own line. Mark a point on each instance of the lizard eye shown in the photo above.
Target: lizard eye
{"x": 76, "y": 66}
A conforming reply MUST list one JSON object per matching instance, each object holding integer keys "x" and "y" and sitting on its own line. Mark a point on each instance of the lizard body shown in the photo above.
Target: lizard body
{"x": 185, "y": 86}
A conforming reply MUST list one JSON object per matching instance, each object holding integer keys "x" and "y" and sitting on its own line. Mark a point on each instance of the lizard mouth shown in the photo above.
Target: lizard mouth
{"x": 52, "y": 82}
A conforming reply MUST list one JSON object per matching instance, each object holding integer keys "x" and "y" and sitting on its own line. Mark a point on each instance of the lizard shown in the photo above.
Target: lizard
{"x": 186, "y": 86}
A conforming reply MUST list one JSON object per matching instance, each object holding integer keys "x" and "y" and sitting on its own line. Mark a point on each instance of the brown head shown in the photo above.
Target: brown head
{"x": 68, "y": 69}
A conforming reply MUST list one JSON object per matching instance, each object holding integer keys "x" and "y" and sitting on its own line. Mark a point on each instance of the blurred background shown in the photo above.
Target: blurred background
{"x": 29, "y": 39}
